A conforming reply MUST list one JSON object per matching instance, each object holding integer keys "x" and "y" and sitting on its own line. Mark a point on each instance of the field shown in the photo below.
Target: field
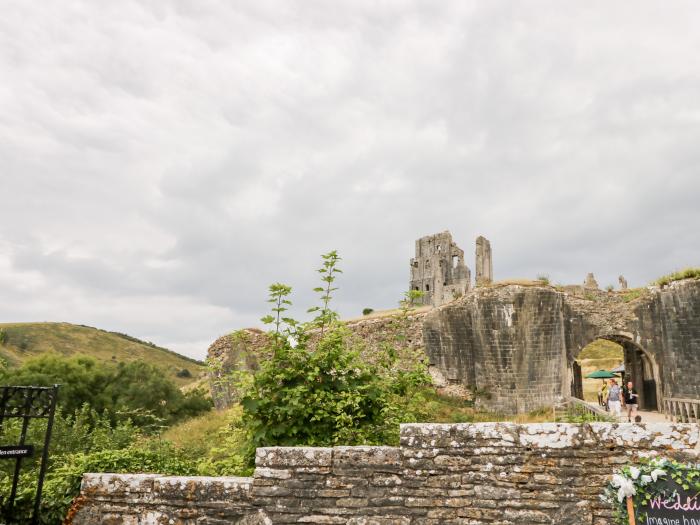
{"x": 23, "y": 341}
{"x": 599, "y": 355}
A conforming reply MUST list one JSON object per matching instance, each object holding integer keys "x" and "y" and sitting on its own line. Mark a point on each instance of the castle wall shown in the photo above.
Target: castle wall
{"x": 507, "y": 342}
{"x": 517, "y": 343}
{"x": 501, "y": 473}
{"x": 668, "y": 328}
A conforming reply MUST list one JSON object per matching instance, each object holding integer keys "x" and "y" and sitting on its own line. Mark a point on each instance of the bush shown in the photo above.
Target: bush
{"x": 319, "y": 398}
{"x": 135, "y": 391}
{"x": 330, "y": 393}
{"x": 367, "y": 311}
{"x": 62, "y": 483}
{"x": 543, "y": 278}
{"x": 184, "y": 373}
{"x": 688, "y": 273}
{"x": 633, "y": 293}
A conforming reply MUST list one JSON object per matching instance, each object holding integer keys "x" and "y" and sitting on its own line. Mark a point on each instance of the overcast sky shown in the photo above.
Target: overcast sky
{"x": 163, "y": 162}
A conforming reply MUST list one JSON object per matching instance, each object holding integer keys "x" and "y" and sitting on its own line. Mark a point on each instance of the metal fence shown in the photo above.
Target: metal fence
{"x": 27, "y": 403}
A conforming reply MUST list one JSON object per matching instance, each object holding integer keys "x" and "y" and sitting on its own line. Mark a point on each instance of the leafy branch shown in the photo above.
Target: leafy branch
{"x": 325, "y": 316}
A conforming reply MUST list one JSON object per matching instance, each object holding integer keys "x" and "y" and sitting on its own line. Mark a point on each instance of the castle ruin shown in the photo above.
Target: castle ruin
{"x": 484, "y": 262}
{"x": 438, "y": 270}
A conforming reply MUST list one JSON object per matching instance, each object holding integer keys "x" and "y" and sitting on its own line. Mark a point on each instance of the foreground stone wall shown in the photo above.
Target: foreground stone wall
{"x": 501, "y": 473}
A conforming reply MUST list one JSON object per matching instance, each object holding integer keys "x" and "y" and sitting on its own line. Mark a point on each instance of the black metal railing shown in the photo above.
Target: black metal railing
{"x": 26, "y": 403}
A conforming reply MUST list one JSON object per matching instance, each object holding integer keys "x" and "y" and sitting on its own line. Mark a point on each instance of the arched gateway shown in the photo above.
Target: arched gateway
{"x": 518, "y": 344}
{"x": 640, "y": 367}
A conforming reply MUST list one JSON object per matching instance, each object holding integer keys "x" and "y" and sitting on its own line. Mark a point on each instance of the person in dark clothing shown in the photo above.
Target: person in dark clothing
{"x": 631, "y": 399}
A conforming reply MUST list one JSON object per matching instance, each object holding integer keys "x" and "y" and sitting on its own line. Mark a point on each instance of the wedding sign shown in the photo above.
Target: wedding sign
{"x": 655, "y": 492}
{"x": 673, "y": 505}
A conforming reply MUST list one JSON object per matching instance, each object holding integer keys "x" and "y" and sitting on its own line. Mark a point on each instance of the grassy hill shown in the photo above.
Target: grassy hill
{"x": 22, "y": 341}
{"x": 599, "y": 355}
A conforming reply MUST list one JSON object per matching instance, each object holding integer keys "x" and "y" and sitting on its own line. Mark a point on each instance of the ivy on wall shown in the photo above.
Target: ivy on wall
{"x": 647, "y": 481}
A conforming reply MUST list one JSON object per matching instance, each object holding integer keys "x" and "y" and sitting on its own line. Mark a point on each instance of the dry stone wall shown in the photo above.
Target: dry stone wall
{"x": 467, "y": 474}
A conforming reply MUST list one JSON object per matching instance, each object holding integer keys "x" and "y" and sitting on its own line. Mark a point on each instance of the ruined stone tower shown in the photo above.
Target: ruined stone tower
{"x": 484, "y": 262}
{"x": 438, "y": 269}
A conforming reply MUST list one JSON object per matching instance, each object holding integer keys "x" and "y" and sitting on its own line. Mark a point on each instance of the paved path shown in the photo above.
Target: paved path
{"x": 647, "y": 417}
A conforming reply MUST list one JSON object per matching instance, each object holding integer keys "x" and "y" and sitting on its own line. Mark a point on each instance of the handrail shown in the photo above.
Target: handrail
{"x": 580, "y": 403}
{"x": 682, "y": 410}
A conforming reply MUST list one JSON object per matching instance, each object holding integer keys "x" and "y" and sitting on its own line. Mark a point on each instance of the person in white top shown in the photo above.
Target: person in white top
{"x": 615, "y": 398}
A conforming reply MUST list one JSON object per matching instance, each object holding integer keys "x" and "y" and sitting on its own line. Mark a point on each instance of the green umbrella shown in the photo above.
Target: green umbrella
{"x": 601, "y": 374}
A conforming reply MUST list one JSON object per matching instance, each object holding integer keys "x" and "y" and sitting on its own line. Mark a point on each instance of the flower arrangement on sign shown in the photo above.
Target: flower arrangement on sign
{"x": 658, "y": 491}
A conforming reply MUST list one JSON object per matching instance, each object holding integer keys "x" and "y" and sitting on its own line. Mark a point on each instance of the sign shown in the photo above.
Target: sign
{"x": 23, "y": 451}
{"x": 672, "y": 506}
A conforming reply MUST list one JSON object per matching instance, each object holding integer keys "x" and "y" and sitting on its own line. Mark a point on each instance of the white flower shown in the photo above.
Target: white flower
{"x": 618, "y": 480}
{"x": 625, "y": 486}
{"x": 646, "y": 479}
{"x": 656, "y": 473}
{"x": 634, "y": 472}
{"x": 626, "y": 489}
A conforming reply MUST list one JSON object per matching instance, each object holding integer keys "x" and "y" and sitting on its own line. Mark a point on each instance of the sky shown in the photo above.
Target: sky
{"x": 163, "y": 162}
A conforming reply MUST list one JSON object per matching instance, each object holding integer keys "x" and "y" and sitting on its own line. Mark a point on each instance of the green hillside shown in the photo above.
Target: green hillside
{"x": 599, "y": 355}
{"x": 22, "y": 341}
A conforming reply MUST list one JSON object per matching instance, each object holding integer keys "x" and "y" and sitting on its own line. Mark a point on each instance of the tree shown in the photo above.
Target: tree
{"x": 136, "y": 390}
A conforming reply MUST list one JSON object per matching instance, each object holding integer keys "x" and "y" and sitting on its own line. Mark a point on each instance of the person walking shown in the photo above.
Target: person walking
{"x": 614, "y": 398}
{"x": 603, "y": 395}
{"x": 631, "y": 401}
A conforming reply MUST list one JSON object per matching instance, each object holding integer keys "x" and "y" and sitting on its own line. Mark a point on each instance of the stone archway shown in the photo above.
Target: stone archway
{"x": 642, "y": 369}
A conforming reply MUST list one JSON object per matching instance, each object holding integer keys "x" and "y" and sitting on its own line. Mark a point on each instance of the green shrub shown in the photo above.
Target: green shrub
{"x": 632, "y": 294}
{"x": 543, "y": 278}
{"x": 367, "y": 311}
{"x": 62, "y": 483}
{"x": 184, "y": 373}
{"x": 688, "y": 273}
{"x": 328, "y": 393}
{"x": 322, "y": 397}
{"x": 137, "y": 391}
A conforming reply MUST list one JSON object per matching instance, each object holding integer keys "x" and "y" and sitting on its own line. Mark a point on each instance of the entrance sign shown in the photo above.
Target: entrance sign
{"x": 27, "y": 403}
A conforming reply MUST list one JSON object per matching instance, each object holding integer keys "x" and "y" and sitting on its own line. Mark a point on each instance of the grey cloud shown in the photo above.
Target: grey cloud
{"x": 163, "y": 162}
